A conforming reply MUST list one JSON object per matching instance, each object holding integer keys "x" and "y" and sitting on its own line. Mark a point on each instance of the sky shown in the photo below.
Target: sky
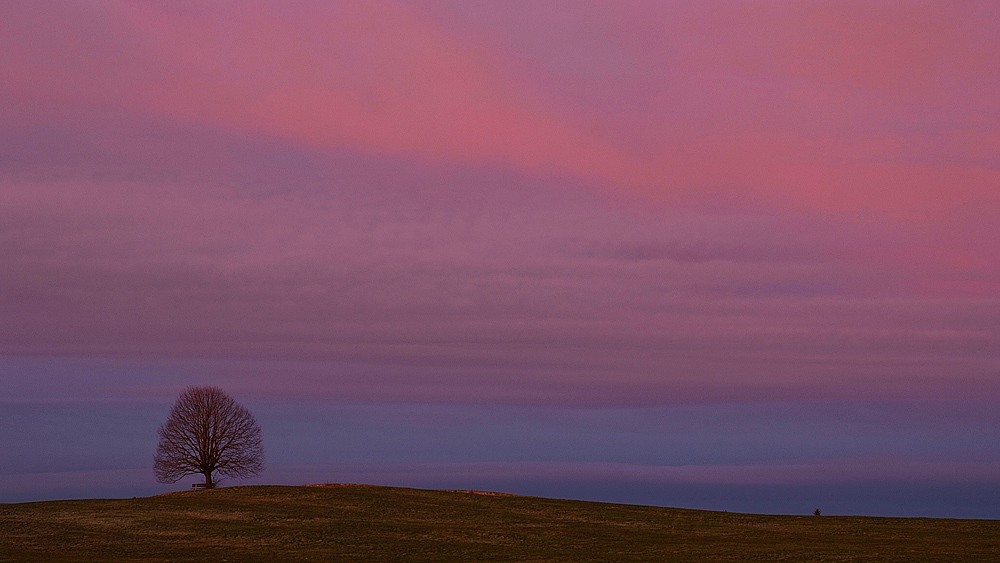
{"x": 726, "y": 254}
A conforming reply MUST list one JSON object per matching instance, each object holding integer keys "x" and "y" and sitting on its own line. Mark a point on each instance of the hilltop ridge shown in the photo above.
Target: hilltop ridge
{"x": 368, "y": 523}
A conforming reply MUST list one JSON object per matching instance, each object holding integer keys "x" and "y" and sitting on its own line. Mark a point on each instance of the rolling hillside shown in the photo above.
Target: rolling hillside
{"x": 368, "y": 523}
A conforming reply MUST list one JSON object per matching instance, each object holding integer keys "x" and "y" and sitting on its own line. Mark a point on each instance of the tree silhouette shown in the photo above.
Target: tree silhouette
{"x": 206, "y": 432}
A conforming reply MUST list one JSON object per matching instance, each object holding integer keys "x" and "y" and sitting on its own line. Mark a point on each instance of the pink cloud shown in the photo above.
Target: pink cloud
{"x": 904, "y": 47}
{"x": 366, "y": 74}
{"x": 518, "y": 294}
{"x": 813, "y": 104}
{"x": 174, "y": 181}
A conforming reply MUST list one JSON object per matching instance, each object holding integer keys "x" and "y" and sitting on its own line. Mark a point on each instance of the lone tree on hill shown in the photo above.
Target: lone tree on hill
{"x": 206, "y": 432}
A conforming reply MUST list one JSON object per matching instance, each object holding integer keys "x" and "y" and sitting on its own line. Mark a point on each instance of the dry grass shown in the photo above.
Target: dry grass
{"x": 366, "y": 523}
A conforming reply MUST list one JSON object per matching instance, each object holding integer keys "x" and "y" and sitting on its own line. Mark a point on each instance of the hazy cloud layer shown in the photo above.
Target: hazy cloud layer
{"x": 889, "y": 458}
{"x": 711, "y": 200}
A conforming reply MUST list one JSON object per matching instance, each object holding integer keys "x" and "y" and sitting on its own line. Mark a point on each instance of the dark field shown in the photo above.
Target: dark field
{"x": 366, "y": 523}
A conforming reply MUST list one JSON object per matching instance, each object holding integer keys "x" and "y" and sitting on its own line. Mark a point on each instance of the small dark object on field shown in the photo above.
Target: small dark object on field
{"x": 817, "y": 512}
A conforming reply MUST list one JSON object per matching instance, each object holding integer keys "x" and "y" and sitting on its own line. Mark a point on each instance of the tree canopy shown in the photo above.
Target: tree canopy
{"x": 208, "y": 432}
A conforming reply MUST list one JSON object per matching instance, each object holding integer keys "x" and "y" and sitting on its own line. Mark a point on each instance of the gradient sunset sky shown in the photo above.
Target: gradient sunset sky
{"x": 728, "y": 254}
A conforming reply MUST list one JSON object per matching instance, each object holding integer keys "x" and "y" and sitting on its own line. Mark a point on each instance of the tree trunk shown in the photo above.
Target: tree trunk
{"x": 208, "y": 480}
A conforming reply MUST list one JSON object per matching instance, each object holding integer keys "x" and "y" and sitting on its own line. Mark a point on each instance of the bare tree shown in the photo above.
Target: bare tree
{"x": 206, "y": 432}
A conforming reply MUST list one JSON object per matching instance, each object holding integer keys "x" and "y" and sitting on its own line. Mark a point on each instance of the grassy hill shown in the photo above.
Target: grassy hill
{"x": 367, "y": 523}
